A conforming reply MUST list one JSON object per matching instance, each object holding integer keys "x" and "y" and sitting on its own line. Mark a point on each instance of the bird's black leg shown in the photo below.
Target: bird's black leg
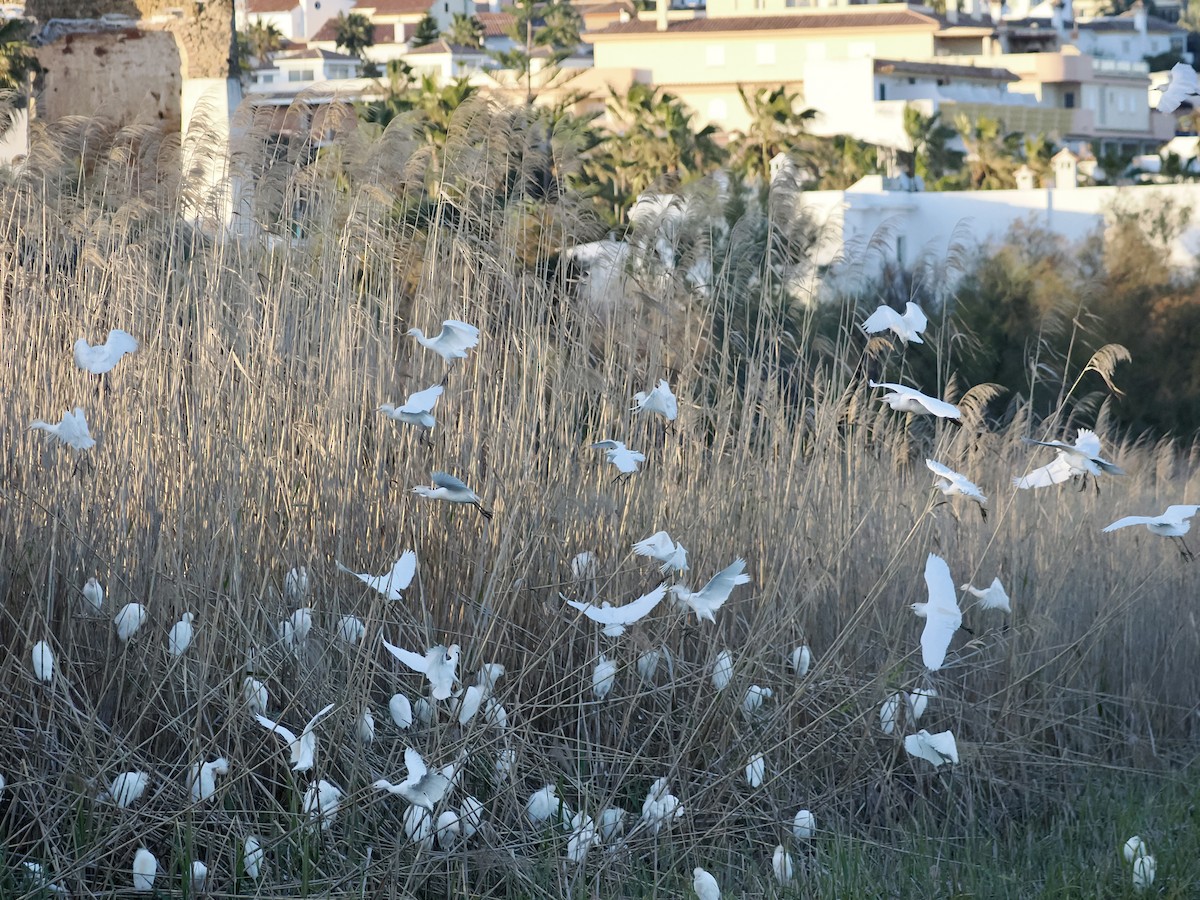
{"x": 1187, "y": 554}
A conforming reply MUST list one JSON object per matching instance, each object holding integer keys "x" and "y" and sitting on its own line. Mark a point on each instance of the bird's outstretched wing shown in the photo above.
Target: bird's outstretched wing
{"x": 713, "y": 595}
{"x": 1183, "y": 84}
{"x": 937, "y": 407}
{"x": 915, "y": 317}
{"x": 444, "y": 480}
{"x": 658, "y": 546}
{"x": 1130, "y": 520}
{"x": 415, "y": 661}
{"x": 942, "y": 616}
{"x": 622, "y": 615}
{"x": 422, "y": 401}
{"x": 313, "y": 721}
{"x": 458, "y": 335}
{"x": 625, "y": 460}
{"x": 1055, "y": 472}
{"x": 944, "y": 471}
{"x": 120, "y": 342}
{"x": 881, "y": 320}
{"x": 284, "y": 732}
{"x": 1180, "y": 513}
{"x": 415, "y": 764}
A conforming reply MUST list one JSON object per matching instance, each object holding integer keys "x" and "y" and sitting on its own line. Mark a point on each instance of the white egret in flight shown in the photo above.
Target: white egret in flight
{"x": 1174, "y": 523}
{"x": 660, "y": 400}
{"x": 452, "y": 342}
{"x": 952, "y": 484}
{"x": 303, "y": 749}
{"x": 941, "y": 613}
{"x": 1183, "y": 87}
{"x": 991, "y": 597}
{"x": 907, "y": 327}
{"x": 423, "y": 787}
{"x": 905, "y": 399}
{"x": 659, "y": 545}
{"x": 390, "y": 584}
{"x": 615, "y": 619}
{"x": 937, "y": 748}
{"x": 448, "y": 488}
{"x": 438, "y": 665}
{"x": 1078, "y": 460}
{"x": 71, "y": 430}
{"x": 619, "y": 455}
{"x": 713, "y": 595}
{"x": 103, "y": 357}
{"x": 417, "y": 409}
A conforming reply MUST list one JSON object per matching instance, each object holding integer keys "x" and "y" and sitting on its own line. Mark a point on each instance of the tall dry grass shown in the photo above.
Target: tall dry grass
{"x": 242, "y": 440}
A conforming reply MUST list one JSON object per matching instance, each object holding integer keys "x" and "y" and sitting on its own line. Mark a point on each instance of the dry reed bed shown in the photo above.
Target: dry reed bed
{"x": 242, "y": 440}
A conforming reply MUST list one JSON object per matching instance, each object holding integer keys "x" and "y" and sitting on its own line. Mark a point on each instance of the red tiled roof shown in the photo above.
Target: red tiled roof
{"x": 270, "y": 6}
{"x": 890, "y": 66}
{"x": 381, "y": 34}
{"x": 394, "y": 7}
{"x": 495, "y": 24}
{"x": 799, "y": 22}
{"x": 315, "y": 53}
{"x": 443, "y": 46}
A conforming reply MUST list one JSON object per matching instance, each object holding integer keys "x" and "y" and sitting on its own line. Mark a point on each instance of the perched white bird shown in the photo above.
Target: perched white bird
{"x": 1078, "y": 460}
{"x": 71, "y": 430}
{"x": 40, "y": 879}
{"x": 612, "y": 823}
{"x": 756, "y": 770}
{"x": 489, "y": 674}
{"x": 422, "y": 787}
{"x": 585, "y": 567}
{"x": 294, "y": 630}
{"x": 801, "y": 660}
{"x": 1144, "y": 868}
{"x": 424, "y": 711}
{"x": 907, "y": 327}
{"x": 417, "y": 409}
{"x": 952, "y": 484}
{"x": 351, "y": 629}
{"x": 722, "y": 672}
{"x": 364, "y": 726}
{"x": 390, "y": 584}
{"x": 544, "y": 804}
{"x": 937, "y": 748}
{"x": 660, "y": 400}
{"x": 1182, "y": 88}
{"x": 647, "y": 664}
{"x": 203, "y": 781}
{"x": 447, "y": 829}
{"x": 905, "y": 399}
{"x": 448, "y": 488}
{"x": 145, "y": 870}
{"x": 754, "y": 698}
{"x": 583, "y": 837}
{"x": 93, "y": 594}
{"x": 495, "y": 714}
{"x": 131, "y": 617}
{"x": 1135, "y": 848}
{"x": 254, "y": 693}
{"x": 180, "y": 637}
{"x": 918, "y": 700}
{"x": 506, "y": 761}
{"x": 452, "y": 343}
{"x": 126, "y": 789}
{"x": 303, "y": 749}
{"x": 418, "y": 827}
{"x": 619, "y": 455}
{"x": 941, "y": 613}
{"x": 781, "y": 865}
{"x": 615, "y": 619}
{"x": 103, "y": 357}
{"x": 43, "y": 661}
{"x": 199, "y": 877}
{"x": 660, "y": 807}
{"x": 705, "y": 885}
{"x": 321, "y": 802}
{"x": 1174, "y": 523}
{"x": 659, "y": 545}
{"x": 889, "y": 713}
{"x": 467, "y": 703}
{"x": 296, "y": 584}
{"x": 401, "y": 711}
{"x": 438, "y": 665}
{"x": 603, "y": 677}
{"x": 713, "y": 595}
{"x": 252, "y": 857}
{"x": 470, "y": 817}
{"x": 991, "y": 597}
{"x": 804, "y": 825}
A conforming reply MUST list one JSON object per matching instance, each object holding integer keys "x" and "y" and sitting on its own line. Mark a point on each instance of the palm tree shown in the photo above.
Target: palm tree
{"x": 262, "y": 39}
{"x": 398, "y": 98}
{"x": 554, "y": 26}
{"x": 930, "y": 138}
{"x": 1038, "y": 150}
{"x": 16, "y": 58}
{"x": 465, "y": 31}
{"x": 774, "y": 126}
{"x": 426, "y": 32}
{"x": 354, "y": 33}
{"x": 992, "y": 153}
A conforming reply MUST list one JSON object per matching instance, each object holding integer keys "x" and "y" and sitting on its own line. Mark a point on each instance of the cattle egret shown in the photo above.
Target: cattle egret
{"x": 438, "y": 665}
{"x": 585, "y": 567}
{"x": 470, "y": 817}
{"x": 616, "y": 618}
{"x": 1144, "y": 868}
{"x": 126, "y": 789}
{"x": 131, "y": 617}
{"x": 889, "y": 713}
{"x": 489, "y": 674}
{"x": 93, "y": 594}
{"x": 619, "y": 455}
{"x": 941, "y": 613}
{"x": 424, "y": 711}
{"x": 907, "y": 327}
{"x": 713, "y": 595}
{"x": 603, "y": 677}
{"x": 905, "y": 399}
{"x": 447, "y": 829}
{"x": 756, "y": 770}
{"x": 71, "y": 430}
{"x": 991, "y": 597}
{"x": 203, "y": 781}
{"x": 1174, "y": 523}
{"x": 544, "y": 804}
{"x": 705, "y": 885}
{"x": 754, "y": 698}
{"x": 103, "y": 357}
{"x": 254, "y": 693}
{"x": 422, "y": 787}
{"x": 303, "y": 749}
{"x": 1135, "y": 848}
{"x": 469, "y": 702}
{"x": 448, "y": 488}
{"x": 180, "y": 637}
{"x": 1078, "y": 460}
{"x": 417, "y": 409}
{"x": 351, "y": 629}
{"x": 918, "y": 700}
{"x": 252, "y": 857}
{"x": 583, "y": 838}
{"x": 199, "y": 877}
{"x": 937, "y": 748}
{"x": 401, "y": 711}
{"x": 612, "y": 823}
{"x": 495, "y": 714}
{"x": 418, "y": 827}
{"x": 781, "y": 865}
{"x": 804, "y": 825}
{"x": 722, "y": 672}
{"x": 145, "y": 870}
{"x": 390, "y": 584}
{"x": 364, "y": 726}
{"x": 296, "y": 585}
{"x": 660, "y": 807}
{"x": 647, "y": 664}
{"x": 801, "y": 660}
{"x": 294, "y": 630}
{"x": 1183, "y": 87}
{"x": 506, "y": 761}
{"x": 452, "y": 343}
{"x": 659, "y": 545}
{"x": 41, "y": 880}
{"x": 321, "y": 802}
{"x": 43, "y": 661}
{"x": 952, "y": 484}
{"x": 660, "y": 400}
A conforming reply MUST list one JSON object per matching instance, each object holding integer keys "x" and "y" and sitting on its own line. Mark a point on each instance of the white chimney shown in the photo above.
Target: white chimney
{"x": 1056, "y": 16}
{"x": 952, "y": 12}
{"x": 1139, "y": 18}
{"x": 660, "y": 13}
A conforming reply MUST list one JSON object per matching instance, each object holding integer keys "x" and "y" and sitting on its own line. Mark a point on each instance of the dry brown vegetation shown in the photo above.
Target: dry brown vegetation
{"x": 242, "y": 440}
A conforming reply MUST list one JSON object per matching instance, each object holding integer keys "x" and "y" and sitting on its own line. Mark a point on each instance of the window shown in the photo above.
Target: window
{"x": 912, "y": 81}
{"x": 765, "y": 54}
{"x": 300, "y": 75}
{"x": 1069, "y": 99}
{"x": 900, "y": 249}
{"x": 714, "y": 55}
{"x": 265, "y": 77}
{"x": 881, "y": 91}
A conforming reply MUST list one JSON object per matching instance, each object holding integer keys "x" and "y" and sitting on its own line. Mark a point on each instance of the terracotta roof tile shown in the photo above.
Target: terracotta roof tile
{"x": 394, "y": 7}
{"x": 271, "y": 6}
{"x": 799, "y": 22}
{"x": 889, "y": 66}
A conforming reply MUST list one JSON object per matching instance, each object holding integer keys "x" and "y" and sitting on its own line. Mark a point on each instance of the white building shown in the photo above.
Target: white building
{"x": 1133, "y": 35}
{"x": 297, "y": 20}
{"x": 291, "y": 73}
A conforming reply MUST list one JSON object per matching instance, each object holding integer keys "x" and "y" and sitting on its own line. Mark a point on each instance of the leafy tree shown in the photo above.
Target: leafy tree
{"x": 552, "y": 28}
{"x": 1038, "y": 150}
{"x": 992, "y": 153}
{"x": 262, "y": 39}
{"x": 398, "y": 98}
{"x": 930, "y": 138}
{"x": 774, "y": 126}
{"x": 426, "y": 32}
{"x": 17, "y": 60}
{"x": 465, "y": 31}
{"x": 354, "y": 33}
